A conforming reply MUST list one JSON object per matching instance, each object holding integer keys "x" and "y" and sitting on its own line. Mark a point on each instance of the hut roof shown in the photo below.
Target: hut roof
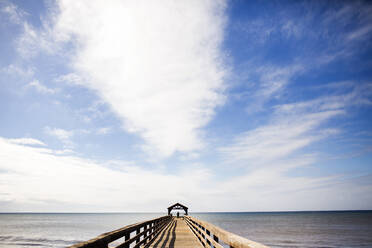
{"x": 178, "y": 206}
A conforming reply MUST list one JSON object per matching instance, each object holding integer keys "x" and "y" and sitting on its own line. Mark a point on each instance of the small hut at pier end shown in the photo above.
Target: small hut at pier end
{"x": 178, "y": 206}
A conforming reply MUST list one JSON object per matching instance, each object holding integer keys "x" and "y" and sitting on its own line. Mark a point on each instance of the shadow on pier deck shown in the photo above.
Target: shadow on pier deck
{"x": 176, "y": 234}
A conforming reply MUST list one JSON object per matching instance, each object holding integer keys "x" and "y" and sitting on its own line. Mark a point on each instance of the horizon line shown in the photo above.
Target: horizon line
{"x": 195, "y": 212}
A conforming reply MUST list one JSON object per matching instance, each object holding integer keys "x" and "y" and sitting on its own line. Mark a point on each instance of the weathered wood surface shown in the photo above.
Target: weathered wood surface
{"x": 176, "y": 234}
{"x": 211, "y": 235}
{"x": 170, "y": 232}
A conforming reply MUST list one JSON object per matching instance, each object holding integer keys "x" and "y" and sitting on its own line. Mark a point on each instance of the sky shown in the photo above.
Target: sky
{"x": 131, "y": 106}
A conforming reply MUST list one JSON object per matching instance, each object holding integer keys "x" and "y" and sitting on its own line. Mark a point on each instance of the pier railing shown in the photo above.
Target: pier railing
{"x": 133, "y": 235}
{"x": 211, "y": 236}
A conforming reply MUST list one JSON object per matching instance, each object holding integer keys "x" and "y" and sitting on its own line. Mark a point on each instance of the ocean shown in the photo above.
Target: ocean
{"x": 275, "y": 229}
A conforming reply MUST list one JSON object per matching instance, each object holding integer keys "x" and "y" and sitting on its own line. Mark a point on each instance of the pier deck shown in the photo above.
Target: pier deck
{"x": 176, "y": 234}
{"x": 170, "y": 232}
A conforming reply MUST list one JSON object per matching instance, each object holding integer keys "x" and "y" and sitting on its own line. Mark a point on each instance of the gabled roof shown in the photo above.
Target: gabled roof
{"x": 178, "y": 206}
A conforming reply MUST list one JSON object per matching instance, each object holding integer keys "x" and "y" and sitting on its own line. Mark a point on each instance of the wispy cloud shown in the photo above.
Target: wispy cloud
{"x": 278, "y": 140}
{"x": 356, "y": 95}
{"x": 27, "y": 141}
{"x": 70, "y": 78}
{"x": 267, "y": 82}
{"x": 39, "y": 87}
{"x": 97, "y": 110}
{"x": 63, "y": 135}
{"x": 361, "y": 32}
{"x": 356, "y": 11}
{"x": 15, "y": 14}
{"x": 317, "y": 35}
{"x": 33, "y": 41}
{"x": 293, "y": 126}
{"x": 15, "y": 70}
{"x": 104, "y": 130}
{"x": 273, "y": 79}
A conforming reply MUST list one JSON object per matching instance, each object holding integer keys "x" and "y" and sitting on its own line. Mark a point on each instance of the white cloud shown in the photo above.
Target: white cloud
{"x": 70, "y": 78}
{"x": 97, "y": 110}
{"x": 41, "y": 88}
{"x": 356, "y": 95}
{"x": 158, "y": 65}
{"x": 19, "y": 71}
{"x": 39, "y": 179}
{"x": 359, "y": 33}
{"x": 292, "y": 28}
{"x": 27, "y": 141}
{"x": 28, "y": 42}
{"x": 271, "y": 189}
{"x": 104, "y": 130}
{"x": 15, "y": 14}
{"x": 34, "y": 40}
{"x": 268, "y": 82}
{"x": 33, "y": 178}
{"x": 273, "y": 79}
{"x": 63, "y": 152}
{"x": 61, "y": 134}
{"x": 280, "y": 139}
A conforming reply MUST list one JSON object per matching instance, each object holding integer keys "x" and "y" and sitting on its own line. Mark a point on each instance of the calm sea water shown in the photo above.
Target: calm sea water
{"x": 276, "y": 229}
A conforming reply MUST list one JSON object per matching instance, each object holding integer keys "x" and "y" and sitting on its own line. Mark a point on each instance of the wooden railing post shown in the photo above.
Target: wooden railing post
{"x": 209, "y": 234}
{"x": 138, "y": 232}
{"x": 145, "y": 233}
{"x": 203, "y": 230}
{"x": 102, "y": 245}
{"x": 127, "y": 236}
{"x": 215, "y": 238}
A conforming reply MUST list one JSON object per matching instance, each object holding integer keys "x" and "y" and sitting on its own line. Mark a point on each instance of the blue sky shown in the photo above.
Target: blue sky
{"x": 220, "y": 105}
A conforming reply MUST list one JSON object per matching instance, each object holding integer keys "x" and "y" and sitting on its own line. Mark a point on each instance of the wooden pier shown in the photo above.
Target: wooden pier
{"x": 170, "y": 232}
